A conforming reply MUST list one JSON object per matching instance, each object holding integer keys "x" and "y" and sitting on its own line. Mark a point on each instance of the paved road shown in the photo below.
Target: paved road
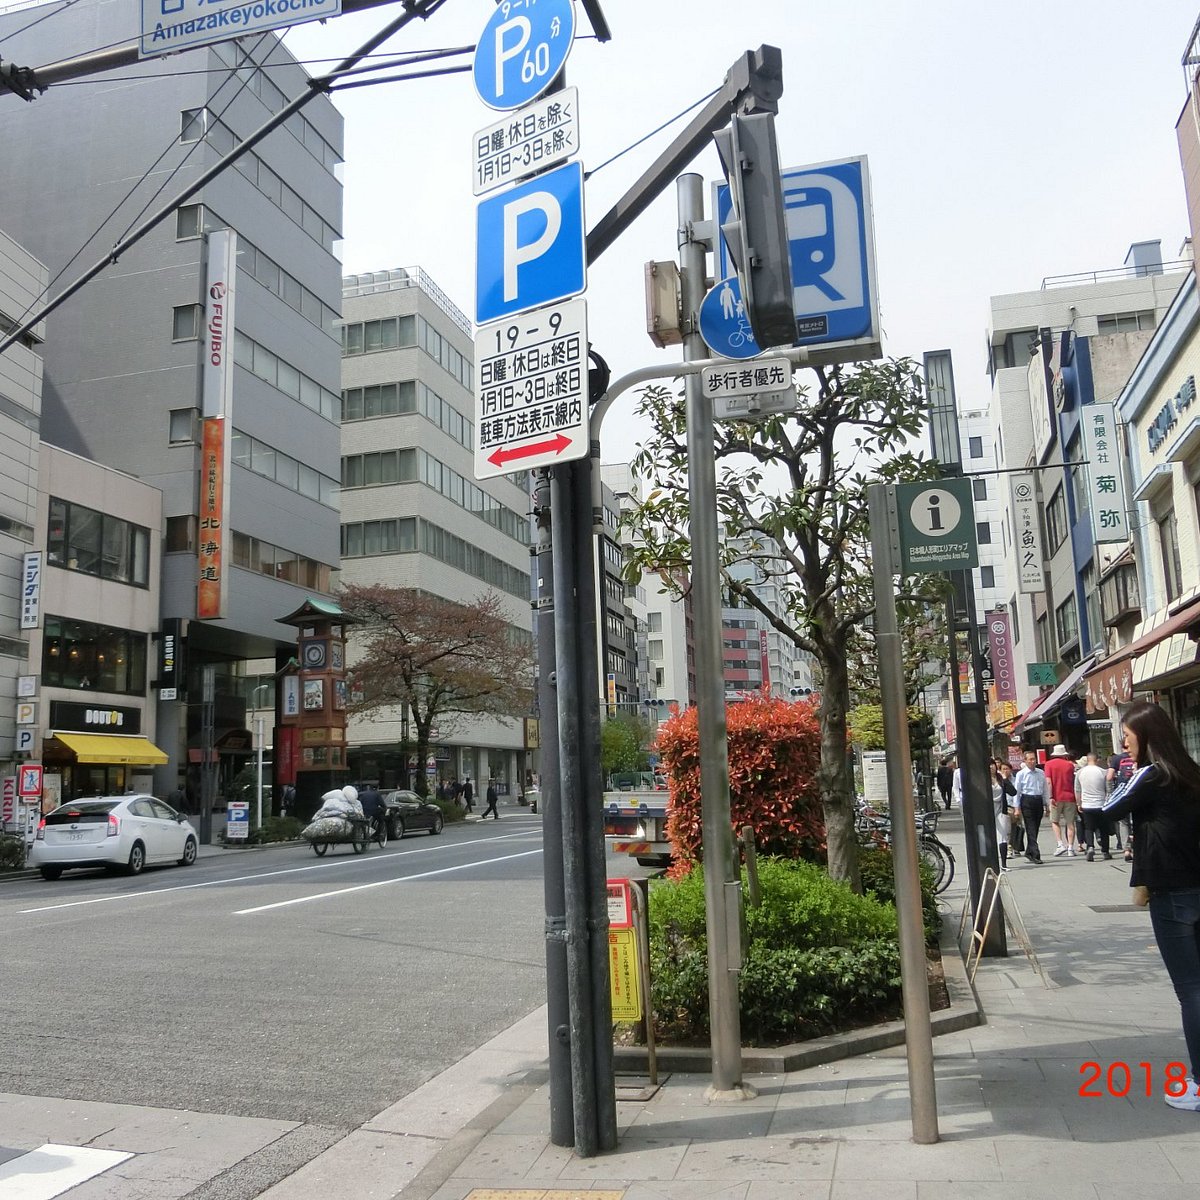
{"x": 274, "y": 984}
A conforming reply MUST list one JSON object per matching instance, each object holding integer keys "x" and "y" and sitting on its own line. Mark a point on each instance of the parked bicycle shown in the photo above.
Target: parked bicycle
{"x": 875, "y": 829}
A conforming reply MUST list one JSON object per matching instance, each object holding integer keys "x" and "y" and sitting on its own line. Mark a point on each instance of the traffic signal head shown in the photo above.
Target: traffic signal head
{"x": 756, "y": 232}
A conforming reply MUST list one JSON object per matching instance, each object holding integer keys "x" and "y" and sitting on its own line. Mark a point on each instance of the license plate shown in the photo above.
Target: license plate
{"x": 75, "y": 837}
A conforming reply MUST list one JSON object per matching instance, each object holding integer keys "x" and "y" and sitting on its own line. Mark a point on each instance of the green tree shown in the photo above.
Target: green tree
{"x": 624, "y": 742}
{"x": 435, "y": 659}
{"x": 792, "y": 502}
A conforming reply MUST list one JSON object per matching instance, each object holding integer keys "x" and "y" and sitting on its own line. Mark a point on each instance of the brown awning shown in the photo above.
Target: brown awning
{"x": 1107, "y": 679}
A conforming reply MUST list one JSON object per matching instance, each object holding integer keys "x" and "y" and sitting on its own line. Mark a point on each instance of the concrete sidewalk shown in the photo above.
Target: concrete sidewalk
{"x": 1014, "y": 1117}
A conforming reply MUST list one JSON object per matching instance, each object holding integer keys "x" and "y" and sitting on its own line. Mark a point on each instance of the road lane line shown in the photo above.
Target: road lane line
{"x": 364, "y": 887}
{"x": 357, "y": 860}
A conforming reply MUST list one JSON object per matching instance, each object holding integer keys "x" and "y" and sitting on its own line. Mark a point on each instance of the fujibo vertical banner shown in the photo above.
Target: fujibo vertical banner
{"x": 212, "y": 585}
{"x": 218, "y": 323}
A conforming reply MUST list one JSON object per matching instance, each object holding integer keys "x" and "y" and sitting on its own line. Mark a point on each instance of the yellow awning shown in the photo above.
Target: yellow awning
{"x": 109, "y": 748}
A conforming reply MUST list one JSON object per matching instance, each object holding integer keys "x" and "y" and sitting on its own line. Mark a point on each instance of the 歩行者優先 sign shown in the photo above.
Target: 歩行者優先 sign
{"x": 936, "y": 522}
{"x": 1106, "y": 487}
{"x": 169, "y": 26}
{"x": 531, "y": 383}
{"x": 1027, "y": 534}
{"x": 762, "y": 375}
{"x": 526, "y": 142}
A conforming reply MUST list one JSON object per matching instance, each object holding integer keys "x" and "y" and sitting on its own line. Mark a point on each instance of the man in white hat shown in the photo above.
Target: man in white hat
{"x": 1060, "y": 774}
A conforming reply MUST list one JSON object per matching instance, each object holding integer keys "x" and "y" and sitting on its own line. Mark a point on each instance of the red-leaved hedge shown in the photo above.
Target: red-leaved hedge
{"x": 774, "y": 751}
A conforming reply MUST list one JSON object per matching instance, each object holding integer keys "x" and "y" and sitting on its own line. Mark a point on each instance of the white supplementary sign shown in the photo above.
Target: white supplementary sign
{"x": 528, "y": 140}
{"x": 1106, "y": 487}
{"x": 531, "y": 390}
{"x": 746, "y": 379}
{"x": 1027, "y": 534}
{"x": 874, "y": 768}
{"x": 237, "y": 820}
{"x": 171, "y": 25}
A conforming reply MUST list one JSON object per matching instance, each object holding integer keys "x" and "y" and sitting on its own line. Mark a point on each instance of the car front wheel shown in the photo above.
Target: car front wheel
{"x": 436, "y": 828}
{"x": 397, "y": 827}
{"x": 189, "y": 853}
{"x": 137, "y": 858}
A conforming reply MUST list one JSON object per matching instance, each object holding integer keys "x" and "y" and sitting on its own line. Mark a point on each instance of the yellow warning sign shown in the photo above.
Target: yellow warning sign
{"x": 623, "y": 975}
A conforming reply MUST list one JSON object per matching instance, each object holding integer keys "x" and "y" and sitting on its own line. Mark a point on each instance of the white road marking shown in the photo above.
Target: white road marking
{"x": 187, "y": 887}
{"x": 51, "y": 1170}
{"x": 364, "y": 887}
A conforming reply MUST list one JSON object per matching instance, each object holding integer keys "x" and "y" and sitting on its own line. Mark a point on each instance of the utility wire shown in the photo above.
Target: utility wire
{"x": 635, "y": 145}
{"x": 416, "y": 8}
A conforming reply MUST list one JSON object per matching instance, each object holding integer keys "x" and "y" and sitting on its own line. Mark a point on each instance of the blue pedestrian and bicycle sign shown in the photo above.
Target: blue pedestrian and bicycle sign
{"x": 521, "y": 50}
{"x": 530, "y": 245}
{"x": 724, "y": 324}
{"x": 827, "y": 208}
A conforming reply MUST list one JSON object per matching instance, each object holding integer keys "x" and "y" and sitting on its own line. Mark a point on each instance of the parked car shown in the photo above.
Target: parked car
{"x": 407, "y": 812}
{"x": 112, "y": 831}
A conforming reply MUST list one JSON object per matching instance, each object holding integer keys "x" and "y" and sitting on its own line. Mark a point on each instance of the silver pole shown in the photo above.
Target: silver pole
{"x": 258, "y": 754}
{"x": 913, "y": 975}
{"x": 722, "y": 883}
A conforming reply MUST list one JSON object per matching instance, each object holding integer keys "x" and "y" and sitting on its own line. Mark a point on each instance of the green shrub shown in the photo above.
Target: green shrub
{"x": 451, "y": 811}
{"x": 817, "y": 957}
{"x": 277, "y": 829}
{"x": 12, "y": 852}
{"x": 878, "y": 880}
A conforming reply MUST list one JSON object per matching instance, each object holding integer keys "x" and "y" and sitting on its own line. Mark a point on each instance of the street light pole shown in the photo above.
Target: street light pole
{"x": 258, "y": 751}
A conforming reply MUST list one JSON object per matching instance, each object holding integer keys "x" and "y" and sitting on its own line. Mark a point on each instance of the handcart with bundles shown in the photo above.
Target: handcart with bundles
{"x": 340, "y": 821}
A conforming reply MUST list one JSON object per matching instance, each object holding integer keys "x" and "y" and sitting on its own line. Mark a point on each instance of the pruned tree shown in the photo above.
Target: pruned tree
{"x": 791, "y": 495}
{"x": 435, "y": 659}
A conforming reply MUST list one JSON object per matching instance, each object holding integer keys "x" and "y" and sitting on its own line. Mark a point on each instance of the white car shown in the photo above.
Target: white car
{"x": 112, "y": 831}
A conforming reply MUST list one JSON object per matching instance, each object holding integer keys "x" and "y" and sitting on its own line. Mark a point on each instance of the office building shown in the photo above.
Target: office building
{"x": 413, "y": 515}
{"x": 138, "y": 371}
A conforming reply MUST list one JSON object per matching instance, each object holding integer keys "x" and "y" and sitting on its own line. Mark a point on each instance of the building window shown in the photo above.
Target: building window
{"x": 1128, "y": 322}
{"x": 92, "y": 543}
{"x": 987, "y": 577}
{"x": 189, "y": 222}
{"x": 1043, "y": 648}
{"x": 654, "y": 622}
{"x": 979, "y": 489}
{"x": 975, "y": 447}
{"x": 983, "y": 532}
{"x": 1056, "y": 520}
{"x": 1066, "y": 623}
{"x": 655, "y": 648}
{"x": 185, "y": 322}
{"x": 1168, "y": 541}
{"x": 180, "y": 535}
{"x": 182, "y": 425}
{"x": 78, "y": 654}
{"x": 1091, "y": 607}
{"x": 192, "y": 123}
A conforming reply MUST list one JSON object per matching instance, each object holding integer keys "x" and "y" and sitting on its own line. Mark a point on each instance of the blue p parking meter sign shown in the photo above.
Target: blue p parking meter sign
{"x": 827, "y": 209}
{"x": 521, "y": 50}
{"x": 530, "y": 245}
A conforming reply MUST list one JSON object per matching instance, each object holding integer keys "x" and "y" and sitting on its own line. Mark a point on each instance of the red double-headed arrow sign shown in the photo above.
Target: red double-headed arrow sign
{"x": 554, "y": 445}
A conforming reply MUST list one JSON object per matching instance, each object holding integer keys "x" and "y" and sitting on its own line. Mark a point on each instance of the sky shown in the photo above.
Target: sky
{"x": 1007, "y": 141}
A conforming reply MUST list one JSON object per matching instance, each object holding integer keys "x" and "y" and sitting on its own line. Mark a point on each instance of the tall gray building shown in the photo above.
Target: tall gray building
{"x": 125, "y": 377}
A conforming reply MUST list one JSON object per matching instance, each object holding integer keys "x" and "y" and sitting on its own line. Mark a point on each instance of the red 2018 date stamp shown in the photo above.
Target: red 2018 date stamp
{"x": 1126, "y": 1079}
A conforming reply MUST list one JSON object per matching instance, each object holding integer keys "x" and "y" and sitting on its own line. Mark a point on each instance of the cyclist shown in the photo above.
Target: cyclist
{"x": 372, "y": 806}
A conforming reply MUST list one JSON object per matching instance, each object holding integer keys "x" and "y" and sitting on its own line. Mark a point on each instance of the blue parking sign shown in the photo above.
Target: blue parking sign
{"x": 530, "y": 245}
{"x": 827, "y": 208}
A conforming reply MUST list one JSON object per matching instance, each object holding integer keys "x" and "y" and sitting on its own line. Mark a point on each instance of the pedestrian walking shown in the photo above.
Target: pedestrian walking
{"x": 1060, "y": 771}
{"x": 468, "y": 794}
{"x": 1030, "y": 783}
{"x": 492, "y": 797}
{"x": 1091, "y": 791}
{"x": 1163, "y": 799}
{"x": 1016, "y": 836}
{"x": 1120, "y": 771}
{"x": 945, "y": 779}
{"x": 1003, "y": 797}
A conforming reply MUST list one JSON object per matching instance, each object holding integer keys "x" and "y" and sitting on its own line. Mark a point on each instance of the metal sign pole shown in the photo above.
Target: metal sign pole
{"x": 914, "y": 978}
{"x": 722, "y": 884}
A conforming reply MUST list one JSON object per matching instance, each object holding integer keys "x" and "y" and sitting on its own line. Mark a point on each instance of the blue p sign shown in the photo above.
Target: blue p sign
{"x": 530, "y": 245}
{"x": 521, "y": 50}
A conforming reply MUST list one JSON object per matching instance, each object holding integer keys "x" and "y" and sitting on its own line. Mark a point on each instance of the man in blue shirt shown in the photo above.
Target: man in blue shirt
{"x": 1030, "y": 783}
